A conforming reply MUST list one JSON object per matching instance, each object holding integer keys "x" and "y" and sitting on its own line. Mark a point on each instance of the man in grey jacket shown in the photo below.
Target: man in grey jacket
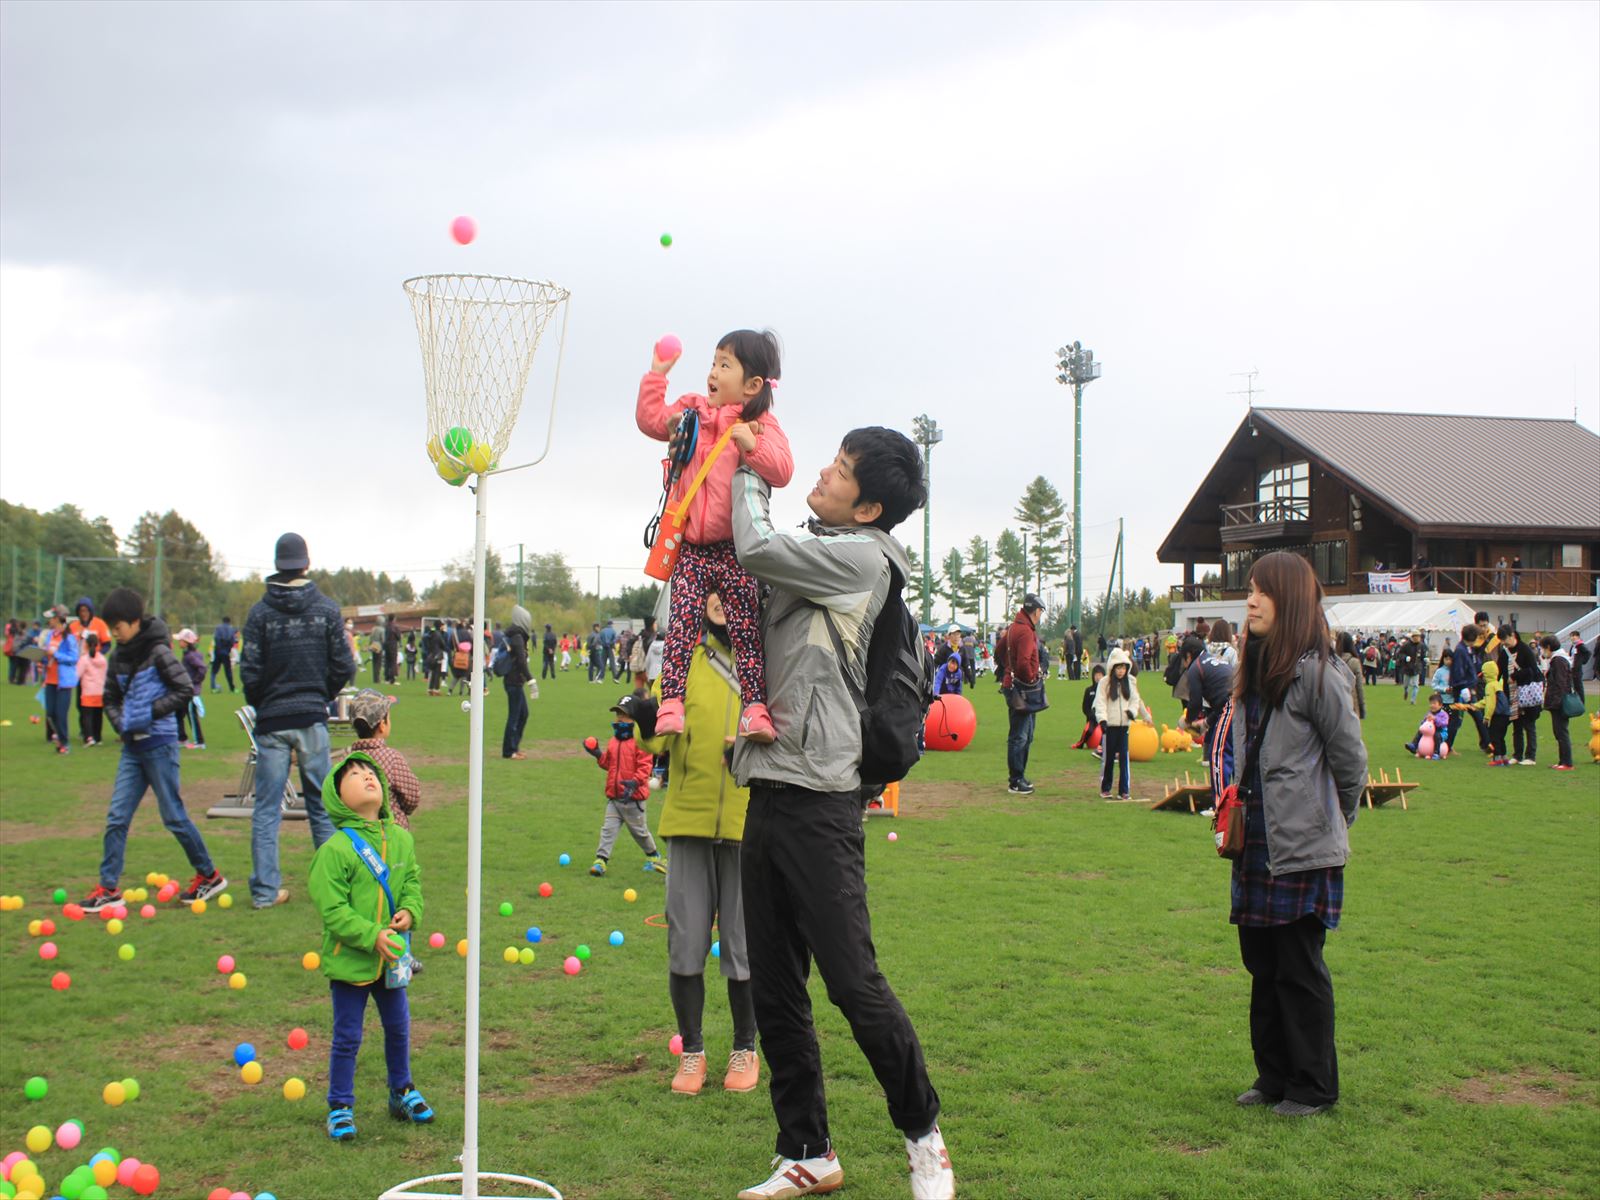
{"x": 804, "y": 866}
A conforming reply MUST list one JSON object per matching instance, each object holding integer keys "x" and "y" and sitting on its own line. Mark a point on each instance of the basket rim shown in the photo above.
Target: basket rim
{"x": 560, "y": 293}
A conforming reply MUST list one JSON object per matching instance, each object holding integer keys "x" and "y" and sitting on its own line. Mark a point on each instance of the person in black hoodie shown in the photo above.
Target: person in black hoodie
{"x": 549, "y": 667}
{"x": 517, "y": 677}
{"x": 1090, "y": 724}
{"x": 296, "y": 660}
{"x": 1526, "y": 700}
{"x": 146, "y": 686}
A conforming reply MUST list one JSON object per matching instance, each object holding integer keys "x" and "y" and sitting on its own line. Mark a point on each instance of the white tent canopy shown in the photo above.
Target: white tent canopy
{"x": 1402, "y": 614}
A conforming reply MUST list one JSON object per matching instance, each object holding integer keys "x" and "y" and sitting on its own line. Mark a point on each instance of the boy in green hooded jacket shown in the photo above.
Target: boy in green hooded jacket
{"x": 360, "y": 936}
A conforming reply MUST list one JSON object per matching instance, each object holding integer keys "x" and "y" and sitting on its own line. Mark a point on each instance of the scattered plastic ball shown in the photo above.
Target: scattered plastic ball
{"x": 198, "y": 907}
{"x": 59, "y": 895}
{"x": 463, "y": 229}
{"x": 225, "y": 965}
{"x": 237, "y": 981}
{"x": 110, "y": 1153}
{"x": 436, "y": 940}
{"x": 461, "y": 947}
{"x": 146, "y": 1179}
{"x": 113, "y": 926}
{"x": 48, "y": 951}
{"x": 250, "y": 1073}
{"x": 525, "y": 956}
{"x": 148, "y": 911}
{"x": 546, "y": 891}
{"x": 505, "y": 908}
{"x": 61, "y": 981}
{"x": 72, "y": 912}
{"x": 616, "y": 937}
{"x": 534, "y": 934}
{"x": 582, "y": 952}
{"x": 675, "y": 1044}
{"x": 125, "y": 1170}
{"x": 565, "y": 860}
{"x": 294, "y": 1089}
{"x": 509, "y": 954}
{"x": 126, "y": 952}
{"x": 38, "y": 1139}
{"x": 69, "y": 1135}
{"x": 893, "y": 836}
{"x": 47, "y": 927}
{"x": 35, "y": 1088}
{"x": 130, "y": 1088}
{"x": 466, "y": 705}
{"x": 666, "y": 240}
{"x": 120, "y": 912}
{"x": 298, "y": 1038}
{"x": 242, "y": 1053}
{"x": 311, "y": 960}
{"x": 220, "y": 1193}
{"x": 114, "y": 1094}
{"x": 716, "y": 948}
{"x": 35, "y": 928}
{"x": 630, "y": 895}
{"x": 167, "y": 892}
{"x": 10, "y": 1161}
{"x": 572, "y": 966}
{"x": 224, "y": 901}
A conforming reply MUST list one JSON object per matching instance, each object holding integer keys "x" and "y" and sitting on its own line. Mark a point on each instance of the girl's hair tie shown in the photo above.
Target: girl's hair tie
{"x": 773, "y": 384}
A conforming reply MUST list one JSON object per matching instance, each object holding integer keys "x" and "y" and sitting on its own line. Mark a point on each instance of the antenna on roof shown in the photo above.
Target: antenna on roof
{"x": 1250, "y": 391}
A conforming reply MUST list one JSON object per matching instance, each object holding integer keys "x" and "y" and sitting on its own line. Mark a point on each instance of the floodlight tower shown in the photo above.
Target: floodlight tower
{"x": 927, "y": 434}
{"x": 1077, "y": 368}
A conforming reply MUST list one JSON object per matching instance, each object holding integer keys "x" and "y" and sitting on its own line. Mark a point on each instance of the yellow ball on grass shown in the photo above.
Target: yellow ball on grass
{"x": 251, "y": 1072}
{"x": 294, "y": 1089}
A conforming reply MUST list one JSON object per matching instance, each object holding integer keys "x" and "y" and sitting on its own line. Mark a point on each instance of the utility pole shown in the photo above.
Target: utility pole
{"x": 927, "y": 434}
{"x": 155, "y": 590}
{"x": 1077, "y": 368}
{"x": 519, "y": 574}
{"x": 61, "y": 566}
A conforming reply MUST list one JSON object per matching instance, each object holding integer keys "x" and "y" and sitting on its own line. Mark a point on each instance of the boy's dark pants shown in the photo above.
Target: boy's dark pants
{"x": 349, "y": 1007}
{"x": 221, "y": 662}
{"x": 516, "y": 718}
{"x": 805, "y": 897}
{"x": 1497, "y": 734}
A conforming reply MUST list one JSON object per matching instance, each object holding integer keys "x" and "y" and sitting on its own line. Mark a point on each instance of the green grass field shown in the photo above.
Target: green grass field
{"x": 1067, "y": 962}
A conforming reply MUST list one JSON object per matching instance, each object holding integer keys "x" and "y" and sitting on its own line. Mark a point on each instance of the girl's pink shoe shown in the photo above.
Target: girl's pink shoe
{"x": 755, "y": 723}
{"x": 669, "y": 717}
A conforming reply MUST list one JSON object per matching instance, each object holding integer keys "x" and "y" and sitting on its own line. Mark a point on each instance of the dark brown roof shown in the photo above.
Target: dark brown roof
{"x": 1515, "y": 467}
{"x": 1440, "y": 474}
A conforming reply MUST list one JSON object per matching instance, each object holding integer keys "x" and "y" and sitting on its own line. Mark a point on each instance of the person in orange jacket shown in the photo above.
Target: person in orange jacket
{"x": 627, "y": 767}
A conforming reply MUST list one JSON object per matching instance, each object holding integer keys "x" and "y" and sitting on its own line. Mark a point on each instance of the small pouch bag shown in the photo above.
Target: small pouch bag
{"x": 396, "y": 974}
{"x": 1228, "y": 822}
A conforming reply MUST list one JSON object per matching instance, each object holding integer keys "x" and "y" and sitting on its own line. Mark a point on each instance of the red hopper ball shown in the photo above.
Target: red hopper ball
{"x": 669, "y": 347}
{"x": 463, "y": 229}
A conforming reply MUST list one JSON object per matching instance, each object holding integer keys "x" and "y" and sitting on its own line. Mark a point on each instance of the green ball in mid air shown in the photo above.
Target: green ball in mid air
{"x": 666, "y": 240}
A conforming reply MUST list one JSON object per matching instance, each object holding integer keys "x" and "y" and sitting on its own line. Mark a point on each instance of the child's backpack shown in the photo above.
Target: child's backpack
{"x": 500, "y": 664}
{"x": 899, "y": 689}
{"x": 462, "y": 659}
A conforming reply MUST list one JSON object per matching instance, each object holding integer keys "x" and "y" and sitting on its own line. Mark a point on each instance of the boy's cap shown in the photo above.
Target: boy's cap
{"x": 188, "y": 635}
{"x": 291, "y": 553}
{"x": 370, "y": 707}
{"x": 626, "y": 705}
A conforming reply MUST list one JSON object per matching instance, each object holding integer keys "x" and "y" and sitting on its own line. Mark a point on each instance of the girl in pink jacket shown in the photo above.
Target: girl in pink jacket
{"x": 738, "y": 395}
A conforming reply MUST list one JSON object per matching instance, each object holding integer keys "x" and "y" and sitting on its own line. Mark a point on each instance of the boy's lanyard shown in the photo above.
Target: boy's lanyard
{"x": 373, "y": 862}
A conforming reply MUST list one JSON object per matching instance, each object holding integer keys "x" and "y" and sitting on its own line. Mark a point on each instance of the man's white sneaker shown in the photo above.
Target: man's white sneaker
{"x": 931, "y": 1175}
{"x": 800, "y": 1177}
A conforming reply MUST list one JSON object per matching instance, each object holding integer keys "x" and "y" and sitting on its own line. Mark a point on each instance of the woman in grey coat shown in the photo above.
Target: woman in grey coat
{"x": 1302, "y": 764}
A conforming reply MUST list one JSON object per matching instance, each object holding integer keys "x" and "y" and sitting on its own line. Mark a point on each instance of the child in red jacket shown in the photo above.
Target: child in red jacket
{"x": 627, "y": 769}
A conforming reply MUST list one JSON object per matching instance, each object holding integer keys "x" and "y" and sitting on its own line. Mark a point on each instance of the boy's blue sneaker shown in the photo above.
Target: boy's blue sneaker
{"x": 655, "y": 863}
{"x": 342, "y": 1124}
{"x": 408, "y": 1105}
{"x": 598, "y": 867}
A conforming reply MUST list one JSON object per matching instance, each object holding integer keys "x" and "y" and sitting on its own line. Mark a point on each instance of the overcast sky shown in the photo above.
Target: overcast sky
{"x": 207, "y": 211}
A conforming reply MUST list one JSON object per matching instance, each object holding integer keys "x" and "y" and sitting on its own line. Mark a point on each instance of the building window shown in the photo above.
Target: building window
{"x": 1284, "y": 493}
{"x": 1330, "y": 560}
{"x": 1236, "y": 570}
{"x": 1539, "y": 556}
{"x": 1571, "y": 555}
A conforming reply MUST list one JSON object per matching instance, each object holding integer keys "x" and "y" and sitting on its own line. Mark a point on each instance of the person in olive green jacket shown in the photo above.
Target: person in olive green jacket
{"x": 361, "y": 924}
{"x": 703, "y": 820}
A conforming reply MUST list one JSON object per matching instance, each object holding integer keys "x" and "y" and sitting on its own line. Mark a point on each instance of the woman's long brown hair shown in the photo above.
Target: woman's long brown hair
{"x": 1299, "y": 627}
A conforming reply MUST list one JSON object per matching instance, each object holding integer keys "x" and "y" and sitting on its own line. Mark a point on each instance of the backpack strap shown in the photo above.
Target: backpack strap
{"x": 374, "y": 863}
{"x": 896, "y": 587}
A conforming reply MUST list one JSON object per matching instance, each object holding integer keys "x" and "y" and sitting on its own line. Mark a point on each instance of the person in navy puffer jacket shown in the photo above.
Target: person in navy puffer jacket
{"x": 296, "y": 659}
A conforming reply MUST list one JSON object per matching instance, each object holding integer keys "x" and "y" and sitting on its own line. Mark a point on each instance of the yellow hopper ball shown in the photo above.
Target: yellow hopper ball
{"x": 237, "y": 981}
{"x": 105, "y": 1172}
{"x": 294, "y": 1089}
{"x": 114, "y": 1094}
{"x": 198, "y": 907}
{"x": 311, "y": 960}
{"x": 224, "y": 901}
{"x": 251, "y": 1072}
{"x": 113, "y": 926}
{"x": 38, "y": 1140}
{"x": 480, "y": 458}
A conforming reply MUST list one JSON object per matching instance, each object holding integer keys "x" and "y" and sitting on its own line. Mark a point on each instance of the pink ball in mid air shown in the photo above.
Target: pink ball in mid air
{"x": 676, "y": 1044}
{"x": 225, "y": 965}
{"x": 669, "y": 347}
{"x": 436, "y": 940}
{"x": 464, "y": 229}
{"x": 572, "y": 966}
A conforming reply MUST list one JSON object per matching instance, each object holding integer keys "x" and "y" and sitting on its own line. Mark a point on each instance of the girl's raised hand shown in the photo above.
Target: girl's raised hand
{"x": 662, "y": 365}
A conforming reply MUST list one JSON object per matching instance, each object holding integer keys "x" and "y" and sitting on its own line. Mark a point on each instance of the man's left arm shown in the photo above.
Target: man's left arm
{"x": 817, "y": 568}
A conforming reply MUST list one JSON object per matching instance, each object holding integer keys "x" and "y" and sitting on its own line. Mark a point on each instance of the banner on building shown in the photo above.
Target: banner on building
{"x": 1388, "y": 581}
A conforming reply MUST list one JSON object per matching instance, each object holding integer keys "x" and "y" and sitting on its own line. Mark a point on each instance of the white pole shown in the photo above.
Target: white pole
{"x": 469, "y": 1152}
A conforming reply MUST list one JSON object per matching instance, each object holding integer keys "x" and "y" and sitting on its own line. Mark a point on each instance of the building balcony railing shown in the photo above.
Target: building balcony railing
{"x": 1267, "y": 512}
{"x": 1503, "y": 581}
{"x": 1196, "y": 591}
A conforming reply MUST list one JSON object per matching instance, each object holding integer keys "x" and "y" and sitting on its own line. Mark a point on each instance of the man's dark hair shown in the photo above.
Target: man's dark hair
{"x": 227, "y": 620}
{"x": 122, "y": 604}
{"x": 1482, "y": 618}
{"x": 888, "y": 471}
{"x": 1191, "y": 647}
{"x": 1470, "y": 633}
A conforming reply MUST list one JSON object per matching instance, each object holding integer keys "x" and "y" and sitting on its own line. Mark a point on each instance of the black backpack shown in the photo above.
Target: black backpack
{"x": 899, "y": 689}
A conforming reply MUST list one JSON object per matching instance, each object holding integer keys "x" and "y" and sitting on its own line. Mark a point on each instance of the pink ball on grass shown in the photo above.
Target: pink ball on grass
{"x": 572, "y": 966}
{"x": 148, "y": 911}
{"x": 48, "y": 950}
{"x": 125, "y": 1170}
{"x": 669, "y": 347}
{"x": 69, "y": 1135}
{"x": 676, "y": 1044}
{"x": 893, "y": 837}
{"x": 10, "y": 1161}
{"x": 463, "y": 229}
{"x": 436, "y": 940}
{"x": 225, "y": 965}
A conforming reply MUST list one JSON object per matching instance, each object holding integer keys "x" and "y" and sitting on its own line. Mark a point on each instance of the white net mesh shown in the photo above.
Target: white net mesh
{"x": 478, "y": 336}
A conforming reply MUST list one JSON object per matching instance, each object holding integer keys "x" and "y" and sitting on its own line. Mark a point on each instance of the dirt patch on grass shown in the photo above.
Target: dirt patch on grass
{"x": 580, "y": 1079}
{"x": 1193, "y": 1151}
{"x": 936, "y": 799}
{"x": 1537, "y": 1089}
